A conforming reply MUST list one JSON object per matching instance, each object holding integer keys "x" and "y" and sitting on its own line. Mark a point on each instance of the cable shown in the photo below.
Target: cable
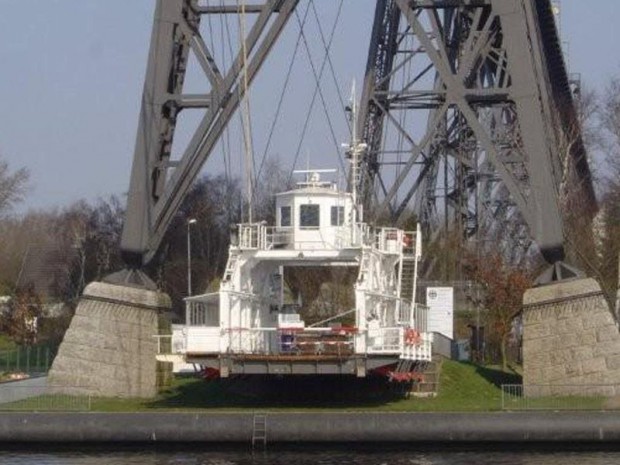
{"x": 281, "y": 99}
{"x": 249, "y": 168}
{"x": 317, "y": 90}
{"x": 329, "y": 60}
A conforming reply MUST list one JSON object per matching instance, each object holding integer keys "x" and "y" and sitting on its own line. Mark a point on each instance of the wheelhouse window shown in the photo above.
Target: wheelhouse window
{"x": 309, "y": 216}
{"x": 285, "y": 216}
{"x": 337, "y": 216}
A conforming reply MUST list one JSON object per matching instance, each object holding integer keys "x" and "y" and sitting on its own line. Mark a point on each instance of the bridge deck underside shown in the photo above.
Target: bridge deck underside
{"x": 356, "y": 365}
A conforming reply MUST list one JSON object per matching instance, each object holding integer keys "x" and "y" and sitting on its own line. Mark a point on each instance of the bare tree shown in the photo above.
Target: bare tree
{"x": 21, "y": 320}
{"x": 609, "y": 217}
{"x": 12, "y": 186}
{"x": 503, "y": 297}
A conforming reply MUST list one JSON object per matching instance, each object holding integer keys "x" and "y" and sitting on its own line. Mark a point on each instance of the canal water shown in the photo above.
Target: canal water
{"x": 109, "y": 456}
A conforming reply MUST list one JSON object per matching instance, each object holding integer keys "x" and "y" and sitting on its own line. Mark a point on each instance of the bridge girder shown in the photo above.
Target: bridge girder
{"x": 484, "y": 80}
{"x": 158, "y": 184}
{"x": 473, "y": 97}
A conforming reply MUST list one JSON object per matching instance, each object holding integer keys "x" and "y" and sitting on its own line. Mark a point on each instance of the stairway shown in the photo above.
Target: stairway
{"x": 429, "y": 385}
{"x": 406, "y": 282}
{"x": 231, "y": 266}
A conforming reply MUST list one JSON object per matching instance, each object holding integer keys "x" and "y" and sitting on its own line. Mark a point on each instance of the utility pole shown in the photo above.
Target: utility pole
{"x": 189, "y": 256}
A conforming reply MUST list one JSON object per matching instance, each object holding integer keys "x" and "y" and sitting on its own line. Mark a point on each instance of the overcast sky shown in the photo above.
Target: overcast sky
{"x": 72, "y": 73}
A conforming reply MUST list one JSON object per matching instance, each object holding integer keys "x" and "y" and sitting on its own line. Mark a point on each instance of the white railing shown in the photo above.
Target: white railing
{"x": 559, "y": 397}
{"x": 421, "y": 348}
{"x": 315, "y": 341}
{"x": 270, "y": 341}
{"x": 278, "y": 237}
{"x": 258, "y": 236}
{"x": 420, "y": 315}
{"x": 389, "y": 240}
{"x": 45, "y": 398}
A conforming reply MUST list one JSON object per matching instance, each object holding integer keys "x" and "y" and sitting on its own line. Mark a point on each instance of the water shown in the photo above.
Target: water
{"x": 305, "y": 457}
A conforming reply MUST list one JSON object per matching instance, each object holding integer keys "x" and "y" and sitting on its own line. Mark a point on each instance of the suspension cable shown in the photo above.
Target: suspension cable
{"x": 281, "y": 98}
{"x": 329, "y": 60}
{"x": 317, "y": 91}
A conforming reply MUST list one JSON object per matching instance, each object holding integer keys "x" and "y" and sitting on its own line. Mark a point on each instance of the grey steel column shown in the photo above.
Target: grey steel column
{"x": 478, "y": 92}
{"x": 159, "y": 184}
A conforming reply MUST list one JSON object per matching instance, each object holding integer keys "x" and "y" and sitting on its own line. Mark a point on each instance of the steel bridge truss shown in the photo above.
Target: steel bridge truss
{"x": 158, "y": 183}
{"x": 464, "y": 108}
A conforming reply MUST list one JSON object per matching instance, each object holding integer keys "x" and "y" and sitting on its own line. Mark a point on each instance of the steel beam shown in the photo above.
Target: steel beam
{"x": 485, "y": 77}
{"x": 158, "y": 184}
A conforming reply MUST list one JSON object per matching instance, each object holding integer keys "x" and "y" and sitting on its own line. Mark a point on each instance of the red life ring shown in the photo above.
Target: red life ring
{"x": 412, "y": 337}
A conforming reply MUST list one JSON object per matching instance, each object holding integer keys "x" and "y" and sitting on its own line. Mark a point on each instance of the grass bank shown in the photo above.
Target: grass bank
{"x": 464, "y": 387}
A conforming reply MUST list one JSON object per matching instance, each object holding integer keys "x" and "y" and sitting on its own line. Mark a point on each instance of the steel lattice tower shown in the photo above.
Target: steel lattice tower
{"x": 465, "y": 108}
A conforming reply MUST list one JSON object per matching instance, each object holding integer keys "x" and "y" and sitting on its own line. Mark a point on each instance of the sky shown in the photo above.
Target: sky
{"x": 72, "y": 73}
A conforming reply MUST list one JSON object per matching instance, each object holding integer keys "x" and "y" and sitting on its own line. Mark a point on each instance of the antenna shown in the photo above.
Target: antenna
{"x": 354, "y": 151}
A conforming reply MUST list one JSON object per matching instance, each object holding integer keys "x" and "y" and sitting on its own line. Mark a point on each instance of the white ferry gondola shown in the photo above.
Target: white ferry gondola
{"x": 248, "y": 328}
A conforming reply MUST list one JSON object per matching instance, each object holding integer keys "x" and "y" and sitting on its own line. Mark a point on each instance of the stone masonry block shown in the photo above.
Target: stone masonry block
{"x": 598, "y": 320}
{"x": 595, "y": 365}
{"x": 586, "y": 338}
{"x": 538, "y": 359}
{"x": 570, "y": 336}
{"x": 610, "y": 348}
{"x": 607, "y": 334}
{"x": 581, "y": 353}
{"x": 569, "y": 326}
{"x": 109, "y": 347}
{"x": 613, "y": 362}
{"x": 556, "y": 373}
{"x": 531, "y": 347}
{"x": 539, "y": 330}
{"x": 572, "y": 370}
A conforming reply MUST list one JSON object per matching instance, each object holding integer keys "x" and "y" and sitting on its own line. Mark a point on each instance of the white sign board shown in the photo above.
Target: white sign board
{"x": 440, "y": 303}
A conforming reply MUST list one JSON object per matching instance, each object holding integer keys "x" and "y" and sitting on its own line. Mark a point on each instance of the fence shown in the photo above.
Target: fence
{"x": 35, "y": 359}
{"x": 35, "y": 395}
{"x": 560, "y": 397}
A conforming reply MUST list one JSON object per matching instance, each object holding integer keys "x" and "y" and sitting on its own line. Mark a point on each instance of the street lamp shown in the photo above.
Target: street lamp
{"x": 189, "y": 257}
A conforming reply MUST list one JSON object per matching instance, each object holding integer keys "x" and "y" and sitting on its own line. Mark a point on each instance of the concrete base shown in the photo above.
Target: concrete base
{"x": 109, "y": 349}
{"x": 313, "y": 428}
{"x": 570, "y": 340}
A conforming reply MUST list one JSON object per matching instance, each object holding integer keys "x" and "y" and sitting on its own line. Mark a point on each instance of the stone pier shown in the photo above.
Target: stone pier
{"x": 109, "y": 349}
{"x": 570, "y": 340}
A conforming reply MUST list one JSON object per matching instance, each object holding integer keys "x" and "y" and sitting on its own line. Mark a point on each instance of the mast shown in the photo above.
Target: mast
{"x": 355, "y": 152}
{"x": 245, "y": 112}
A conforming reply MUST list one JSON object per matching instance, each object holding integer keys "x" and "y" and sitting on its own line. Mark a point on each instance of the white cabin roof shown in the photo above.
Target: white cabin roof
{"x": 314, "y": 190}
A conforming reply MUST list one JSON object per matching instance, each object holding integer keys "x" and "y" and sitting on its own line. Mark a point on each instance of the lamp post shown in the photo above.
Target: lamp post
{"x": 189, "y": 257}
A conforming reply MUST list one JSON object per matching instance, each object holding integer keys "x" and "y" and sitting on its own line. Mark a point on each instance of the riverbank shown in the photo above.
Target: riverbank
{"x": 299, "y": 428}
{"x": 463, "y": 387}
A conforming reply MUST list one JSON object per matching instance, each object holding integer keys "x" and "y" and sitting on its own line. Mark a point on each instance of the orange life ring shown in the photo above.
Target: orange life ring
{"x": 412, "y": 337}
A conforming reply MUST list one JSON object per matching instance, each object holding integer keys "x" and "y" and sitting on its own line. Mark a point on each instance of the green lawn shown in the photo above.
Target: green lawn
{"x": 463, "y": 387}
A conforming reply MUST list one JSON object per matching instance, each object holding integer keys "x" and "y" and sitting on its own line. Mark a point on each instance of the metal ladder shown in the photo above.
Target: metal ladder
{"x": 231, "y": 265}
{"x": 259, "y": 430}
{"x": 364, "y": 267}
